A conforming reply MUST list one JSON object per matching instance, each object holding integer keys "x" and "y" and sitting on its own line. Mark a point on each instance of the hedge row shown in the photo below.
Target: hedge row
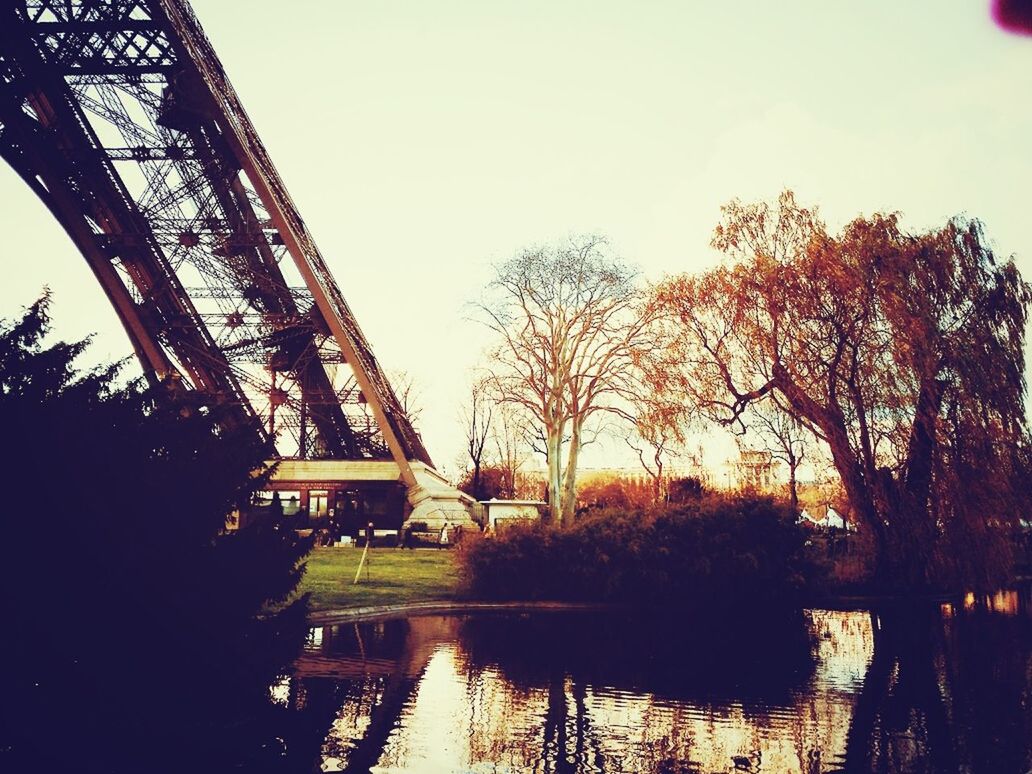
{"x": 720, "y": 550}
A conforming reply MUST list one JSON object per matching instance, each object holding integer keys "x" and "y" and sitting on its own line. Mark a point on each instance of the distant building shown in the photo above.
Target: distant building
{"x": 755, "y": 469}
{"x": 343, "y": 496}
{"x": 689, "y": 466}
{"x": 500, "y": 513}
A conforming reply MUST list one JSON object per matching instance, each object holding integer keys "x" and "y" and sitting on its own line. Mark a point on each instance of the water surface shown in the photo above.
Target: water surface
{"x": 922, "y": 689}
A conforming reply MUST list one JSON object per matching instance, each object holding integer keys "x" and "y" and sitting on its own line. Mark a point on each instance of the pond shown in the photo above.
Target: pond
{"x": 926, "y": 688}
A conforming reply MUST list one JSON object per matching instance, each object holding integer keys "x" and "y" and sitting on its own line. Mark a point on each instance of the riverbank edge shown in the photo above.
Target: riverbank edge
{"x": 407, "y": 610}
{"x": 444, "y": 607}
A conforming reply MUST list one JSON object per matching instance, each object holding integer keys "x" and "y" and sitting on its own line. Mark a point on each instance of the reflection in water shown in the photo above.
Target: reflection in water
{"x": 1008, "y": 602}
{"x": 895, "y": 691}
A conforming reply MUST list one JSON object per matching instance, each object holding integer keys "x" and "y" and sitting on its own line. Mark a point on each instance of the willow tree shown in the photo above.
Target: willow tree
{"x": 903, "y": 352}
{"x": 570, "y": 321}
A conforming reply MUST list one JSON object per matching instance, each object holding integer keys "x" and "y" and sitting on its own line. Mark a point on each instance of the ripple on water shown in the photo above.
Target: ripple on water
{"x": 434, "y": 694}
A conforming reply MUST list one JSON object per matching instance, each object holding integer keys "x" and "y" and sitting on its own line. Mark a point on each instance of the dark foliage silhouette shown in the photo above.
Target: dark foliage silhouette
{"x": 717, "y": 551}
{"x": 139, "y": 634}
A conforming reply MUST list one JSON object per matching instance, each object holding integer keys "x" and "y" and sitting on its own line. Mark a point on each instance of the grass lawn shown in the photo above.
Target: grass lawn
{"x": 395, "y": 577}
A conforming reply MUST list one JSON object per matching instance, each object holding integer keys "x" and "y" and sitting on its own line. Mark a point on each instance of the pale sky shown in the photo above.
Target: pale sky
{"x": 424, "y": 141}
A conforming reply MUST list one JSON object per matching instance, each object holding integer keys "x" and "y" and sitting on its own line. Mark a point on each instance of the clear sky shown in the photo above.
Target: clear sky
{"x": 423, "y": 141}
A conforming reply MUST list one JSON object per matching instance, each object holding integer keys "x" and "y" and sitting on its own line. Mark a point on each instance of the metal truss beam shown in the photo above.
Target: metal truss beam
{"x": 118, "y": 114}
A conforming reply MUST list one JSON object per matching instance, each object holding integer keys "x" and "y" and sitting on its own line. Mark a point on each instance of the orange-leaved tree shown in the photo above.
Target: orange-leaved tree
{"x": 903, "y": 352}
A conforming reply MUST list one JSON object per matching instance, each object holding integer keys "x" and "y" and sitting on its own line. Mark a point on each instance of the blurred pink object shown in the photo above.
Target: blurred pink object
{"x": 1013, "y": 15}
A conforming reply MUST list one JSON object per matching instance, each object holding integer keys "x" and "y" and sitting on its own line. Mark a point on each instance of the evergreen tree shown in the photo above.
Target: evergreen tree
{"x": 140, "y": 634}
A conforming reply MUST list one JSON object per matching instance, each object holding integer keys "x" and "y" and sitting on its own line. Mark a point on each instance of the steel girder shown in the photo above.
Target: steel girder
{"x": 119, "y": 115}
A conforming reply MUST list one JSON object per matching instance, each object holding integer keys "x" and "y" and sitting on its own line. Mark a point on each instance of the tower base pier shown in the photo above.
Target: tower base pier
{"x": 345, "y": 495}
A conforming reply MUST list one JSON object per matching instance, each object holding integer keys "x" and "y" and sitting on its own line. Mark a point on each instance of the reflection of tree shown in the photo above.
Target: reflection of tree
{"x": 900, "y": 699}
{"x": 992, "y": 690}
{"x": 314, "y": 703}
{"x": 556, "y": 753}
{"x": 383, "y": 718}
{"x": 372, "y": 705}
{"x": 943, "y": 697}
{"x": 628, "y": 693}
{"x": 845, "y": 646}
{"x": 760, "y": 663}
{"x": 989, "y": 673}
{"x": 609, "y": 674}
{"x": 553, "y": 748}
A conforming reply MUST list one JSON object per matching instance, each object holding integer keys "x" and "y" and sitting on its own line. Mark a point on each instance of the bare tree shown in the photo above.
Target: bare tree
{"x": 509, "y": 434}
{"x": 659, "y": 412}
{"x": 656, "y": 433}
{"x": 781, "y": 434}
{"x": 477, "y": 418}
{"x": 571, "y": 320}
{"x": 409, "y": 398}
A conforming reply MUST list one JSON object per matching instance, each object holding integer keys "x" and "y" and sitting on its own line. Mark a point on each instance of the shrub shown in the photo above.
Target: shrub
{"x": 131, "y": 610}
{"x": 686, "y": 490}
{"x": 614, "y": 492}
{"x": 718, "y": 551}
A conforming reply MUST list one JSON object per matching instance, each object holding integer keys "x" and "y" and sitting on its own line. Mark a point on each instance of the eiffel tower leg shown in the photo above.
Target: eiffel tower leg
{"x": 119, "y": 114}
{"x": 432, "y": 499}
{"x": 435, "y": 502}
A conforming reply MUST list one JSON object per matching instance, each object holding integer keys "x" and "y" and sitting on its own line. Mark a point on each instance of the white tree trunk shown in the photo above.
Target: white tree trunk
{"x": 569, "y": 501}
{"x": 553, "y": 454}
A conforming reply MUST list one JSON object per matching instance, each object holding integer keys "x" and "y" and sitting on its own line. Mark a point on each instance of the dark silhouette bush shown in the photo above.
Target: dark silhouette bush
{"x": 138, "y": 634}
{"x": 717, "y": 551}
{"x": 687, "y": 489}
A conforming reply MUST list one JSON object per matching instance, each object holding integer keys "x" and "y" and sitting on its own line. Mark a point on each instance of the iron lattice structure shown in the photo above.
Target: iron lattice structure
{"x": 119, "y": 115}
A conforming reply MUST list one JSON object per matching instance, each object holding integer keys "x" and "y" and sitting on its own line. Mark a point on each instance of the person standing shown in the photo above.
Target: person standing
{"x": 408, "y": 540}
